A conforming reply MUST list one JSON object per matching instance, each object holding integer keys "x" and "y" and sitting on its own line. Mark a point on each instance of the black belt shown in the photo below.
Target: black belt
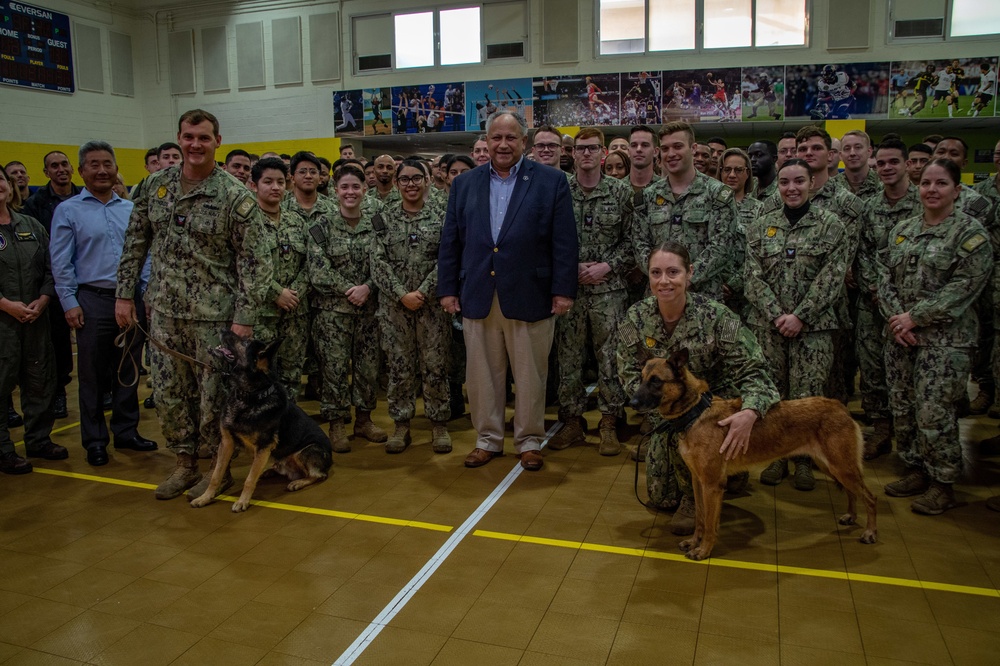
{"x": 100, "y": 291}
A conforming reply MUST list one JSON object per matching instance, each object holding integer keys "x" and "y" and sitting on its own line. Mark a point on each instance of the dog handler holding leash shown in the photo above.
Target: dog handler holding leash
{"x": 721, "y": 350}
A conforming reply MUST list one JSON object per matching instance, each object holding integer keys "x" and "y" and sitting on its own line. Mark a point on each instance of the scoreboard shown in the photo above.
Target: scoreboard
{"x": 35, "y": 48}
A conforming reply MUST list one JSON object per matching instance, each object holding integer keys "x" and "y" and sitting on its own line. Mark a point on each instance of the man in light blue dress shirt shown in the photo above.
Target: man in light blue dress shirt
{"x": 88, "y": 233}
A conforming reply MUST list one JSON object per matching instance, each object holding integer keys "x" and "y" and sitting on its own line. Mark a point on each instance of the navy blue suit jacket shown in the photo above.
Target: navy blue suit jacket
{"x": 535, "y": 256}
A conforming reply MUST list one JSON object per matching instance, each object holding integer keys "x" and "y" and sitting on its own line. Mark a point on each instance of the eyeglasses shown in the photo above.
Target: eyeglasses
{"x": 587, "y": 149}
{"x": 306, "y": 172}
{"x": 548, "y": 146}
{"x": 736, "y": 170}
{"x": 406, "y": 180}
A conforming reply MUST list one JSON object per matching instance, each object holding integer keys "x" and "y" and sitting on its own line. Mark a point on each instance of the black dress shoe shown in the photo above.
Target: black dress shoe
{"x": 14, "y": 419}
{"x": 59, "y": 407}
{"x": 137, "y": 443}
{"x": 49, "y": 450}
{"x": 11, "y": 463}
{"x": 97, "y": 455}
{"x": 108, "y": 401}
{"x": 149, "y": 403}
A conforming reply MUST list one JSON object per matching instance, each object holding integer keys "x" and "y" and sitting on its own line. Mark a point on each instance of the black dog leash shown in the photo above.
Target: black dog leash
{"x": 671, "y": 426}
{"x": 124, "y": 340}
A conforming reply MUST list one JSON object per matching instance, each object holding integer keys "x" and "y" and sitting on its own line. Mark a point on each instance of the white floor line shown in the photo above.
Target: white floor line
{"x": 367, "y": 636}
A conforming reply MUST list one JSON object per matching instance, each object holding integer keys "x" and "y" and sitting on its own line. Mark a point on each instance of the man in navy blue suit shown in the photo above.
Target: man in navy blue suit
{"x": 508, "y": 262}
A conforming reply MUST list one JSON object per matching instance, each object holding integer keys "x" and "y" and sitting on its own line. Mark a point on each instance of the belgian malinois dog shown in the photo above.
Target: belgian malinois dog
{"x": 818, "y": 427}
{"x": 259, "y": 416}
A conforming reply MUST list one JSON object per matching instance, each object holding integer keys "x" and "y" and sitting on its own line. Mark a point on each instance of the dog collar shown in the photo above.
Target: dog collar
{"x": 685, "y": 420}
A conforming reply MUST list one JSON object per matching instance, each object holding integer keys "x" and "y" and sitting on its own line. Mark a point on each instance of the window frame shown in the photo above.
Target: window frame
{"x": 699, "y": 34}
{"x": 435, "y": 11}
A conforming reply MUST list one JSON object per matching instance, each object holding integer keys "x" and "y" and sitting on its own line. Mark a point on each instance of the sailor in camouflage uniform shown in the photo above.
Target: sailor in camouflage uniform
{"x": 689, "y": 208}
{"x": 795, "y": 268}
{"x": 344, "y": 300}
{"x": 721, "y": 351}
{"x": 990, "y": 188}
{"x": 984, "y": 210}
{"x": 285, "y": 312}
{"x": 930, "y": 274}
{"x": 736, "y": 171}
{"x": 211, "y": 251}
{"x": 898, "y": 200}
{"x": 603, "y": 210}
{"x": 404, "y": 268}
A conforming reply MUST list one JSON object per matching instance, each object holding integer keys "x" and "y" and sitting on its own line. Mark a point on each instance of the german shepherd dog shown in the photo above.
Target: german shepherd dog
{"x": 817, "y": 427}
{"x": 259, "y": 416}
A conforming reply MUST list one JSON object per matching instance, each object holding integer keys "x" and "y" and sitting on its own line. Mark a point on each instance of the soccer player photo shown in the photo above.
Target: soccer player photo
{"x": 955, "y": 87}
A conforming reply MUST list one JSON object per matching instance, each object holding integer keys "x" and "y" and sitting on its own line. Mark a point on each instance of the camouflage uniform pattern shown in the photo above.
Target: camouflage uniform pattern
{"x": 604, "y": 226}
{"x": 796, "y": 269}
{"x": 869, "y": 328}
{"x": 983, "y": 207}
{"x": 935, "y": 274}
{"x": 702, "y": 219}
{"x": 290, "y": 271}
{"x": 855, "y": 214}
{"x": 211, "y": 266}
{"x": 747, "y": 210}
{"x": 404, "y": 259}
{"x": 721, "y": 350}
{"x": 991, "y": 294}
{"x": 372, "y": 198}
{"x": 870, "y": 187}
{"x": 346, "y": 336}
{"x": 767, "y": 192}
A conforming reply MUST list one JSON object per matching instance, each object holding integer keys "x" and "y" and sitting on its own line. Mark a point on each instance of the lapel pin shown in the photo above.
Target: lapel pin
{"x": 525, "y": 178}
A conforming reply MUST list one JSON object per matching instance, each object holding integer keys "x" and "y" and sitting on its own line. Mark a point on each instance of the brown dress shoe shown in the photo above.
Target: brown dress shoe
{"x": 532, "y": 460}
{"x": 480, "y": 457}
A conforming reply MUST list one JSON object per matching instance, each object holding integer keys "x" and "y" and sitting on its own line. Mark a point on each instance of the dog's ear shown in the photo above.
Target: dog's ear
{"x": 679, "y": 358}
{"x": 270, "y": 349}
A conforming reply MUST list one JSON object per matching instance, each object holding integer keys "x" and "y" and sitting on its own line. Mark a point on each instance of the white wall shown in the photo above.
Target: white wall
{"x": 305, "y": 111}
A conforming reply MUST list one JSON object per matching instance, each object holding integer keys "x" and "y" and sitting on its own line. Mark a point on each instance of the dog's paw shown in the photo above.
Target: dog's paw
{"x": 688, "y": 544}
{"x": 241, "y": 505}
{"x": 698, "y": 554}
{"x": 203, "y": 500}
{"x": 298, "y": 484}
{"x": 868, "y": 536}
{"x": 847, "y": 519}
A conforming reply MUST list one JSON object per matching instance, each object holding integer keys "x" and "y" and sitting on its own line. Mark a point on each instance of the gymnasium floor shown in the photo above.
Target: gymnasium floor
{"x": 561, "y": 566}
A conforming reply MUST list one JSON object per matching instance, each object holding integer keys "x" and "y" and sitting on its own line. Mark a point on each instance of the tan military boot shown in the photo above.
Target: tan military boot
{"x": 400, "y": 438}
{"x": 610, "y": 446}
{"x": 365, "y": 428}
{"x": 939, "y": 498}
{"x": 682, "y": 523}
{"x": 914, "y": 483}
{"x": 440, "y": 439}
{"x": 981, "y": 403}
{"x": 571, "y": 433}
{"x": 879, "y": 442}
{"x": 198, "y": 489}
{"x": 184, "y": 476}
{"x": 338, "y": 438}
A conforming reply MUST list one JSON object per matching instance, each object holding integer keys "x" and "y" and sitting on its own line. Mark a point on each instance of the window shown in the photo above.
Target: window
{"x": 642, "y": 26}
{"x": 974, "y": 17}
{"x": 458, "y": 36}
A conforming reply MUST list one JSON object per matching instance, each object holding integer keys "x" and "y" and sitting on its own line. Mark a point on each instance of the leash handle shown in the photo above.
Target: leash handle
{"x": 124, "y": 340}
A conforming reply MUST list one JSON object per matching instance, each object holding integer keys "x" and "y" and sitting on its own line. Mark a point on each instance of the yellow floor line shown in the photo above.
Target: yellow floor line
{"x": 384, "y": 520}
{"x": 751, "y": 566}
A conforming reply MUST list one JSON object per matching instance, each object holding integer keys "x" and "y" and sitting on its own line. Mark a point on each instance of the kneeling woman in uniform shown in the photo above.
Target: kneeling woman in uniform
{"x": 930, "y": 274}
{"x": 404, "y": 267}
{"x": 795, "y": 267}
{"x": 721, "y": 351}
